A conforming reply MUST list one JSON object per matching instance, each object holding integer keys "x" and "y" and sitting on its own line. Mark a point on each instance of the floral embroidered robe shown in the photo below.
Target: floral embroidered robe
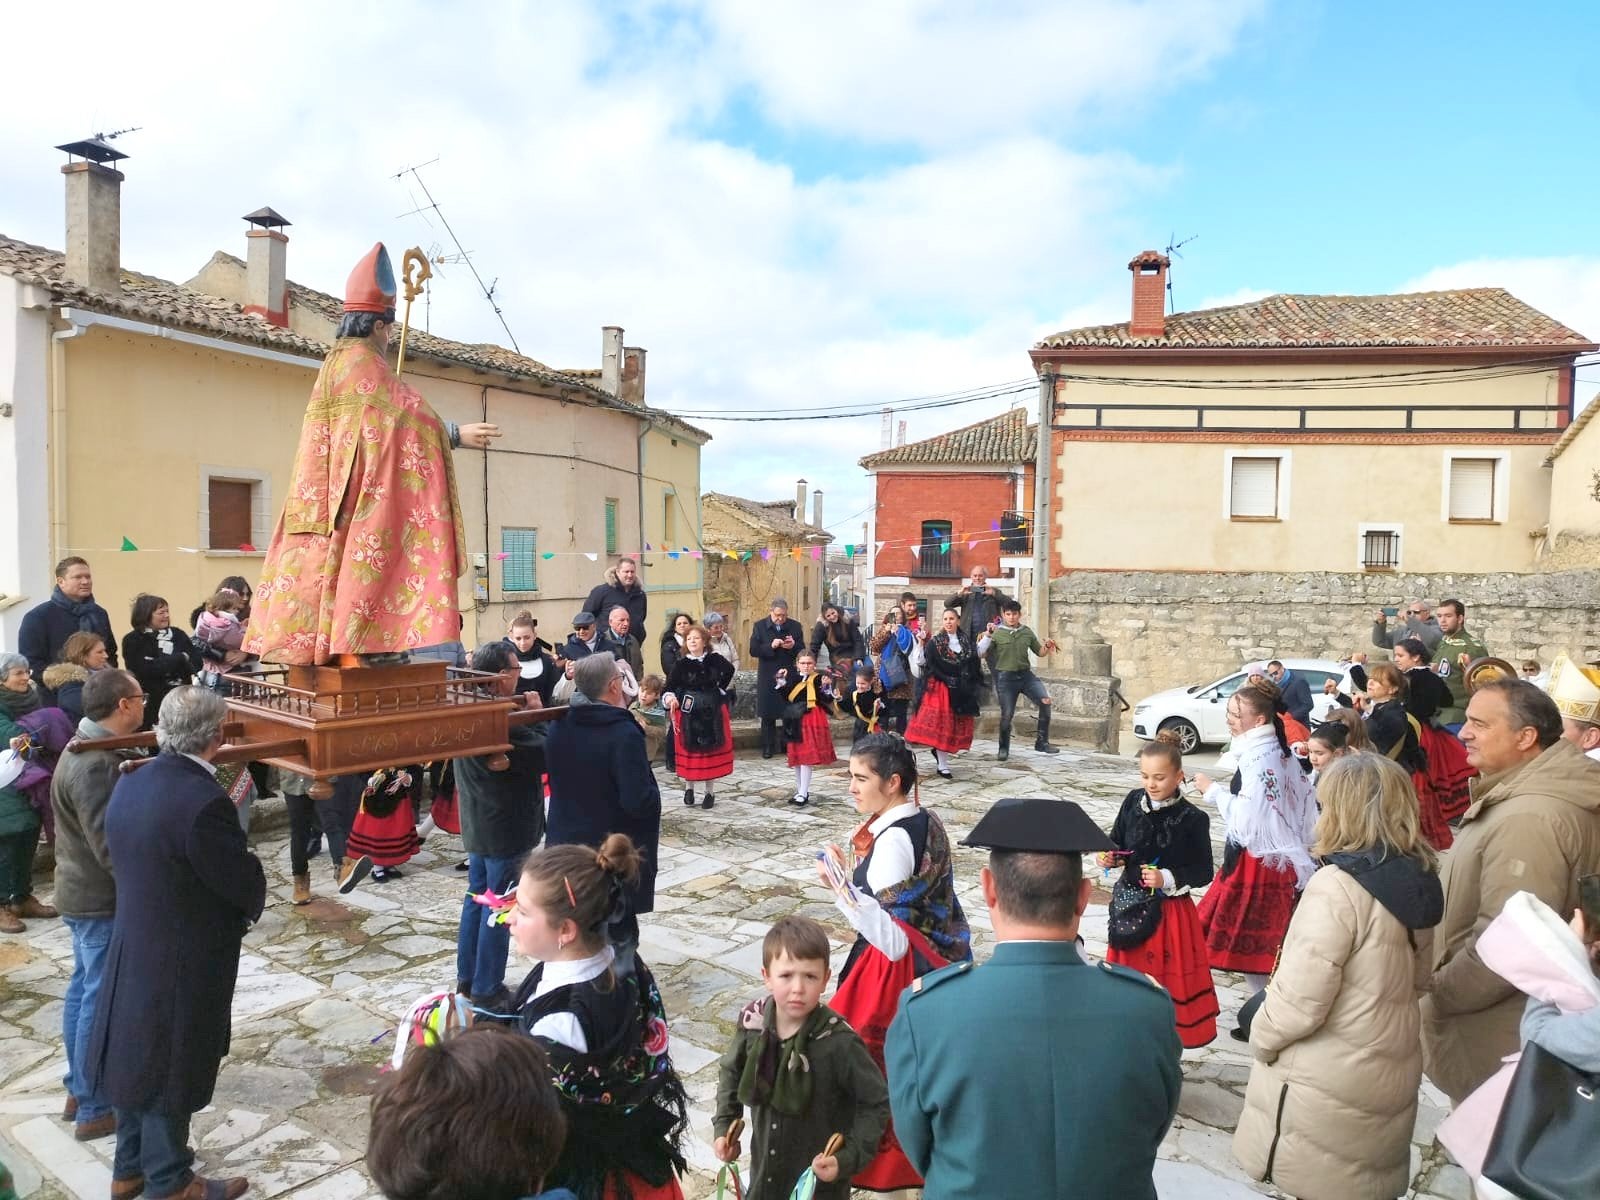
{"x": 369, "y": 549}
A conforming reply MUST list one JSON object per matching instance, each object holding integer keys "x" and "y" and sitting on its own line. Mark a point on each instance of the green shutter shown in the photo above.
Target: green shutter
{"x": 611, "y": 527}
{"x": 519, "y": 570}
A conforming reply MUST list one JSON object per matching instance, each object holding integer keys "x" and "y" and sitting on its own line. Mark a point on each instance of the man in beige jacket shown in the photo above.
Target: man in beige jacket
{"x": 1534, "y": 826}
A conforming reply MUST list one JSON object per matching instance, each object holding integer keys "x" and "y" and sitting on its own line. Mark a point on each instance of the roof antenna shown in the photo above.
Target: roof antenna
{"x": 1173, "y": 246}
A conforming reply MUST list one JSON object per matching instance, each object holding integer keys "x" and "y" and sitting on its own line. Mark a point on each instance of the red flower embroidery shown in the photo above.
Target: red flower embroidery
{"x": 655, "y": 1037}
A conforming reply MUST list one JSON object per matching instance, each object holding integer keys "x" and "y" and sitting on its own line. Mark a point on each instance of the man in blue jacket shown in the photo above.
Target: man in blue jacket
{"x": 1296, "y": 691}
{"x": 601, "y": 783}
{"x": 71, "y": 609}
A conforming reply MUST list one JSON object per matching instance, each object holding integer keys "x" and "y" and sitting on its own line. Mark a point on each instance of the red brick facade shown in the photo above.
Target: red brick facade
{"x": 972, "y": 502}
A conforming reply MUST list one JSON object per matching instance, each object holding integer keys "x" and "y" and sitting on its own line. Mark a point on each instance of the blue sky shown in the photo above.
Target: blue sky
{"x": 842, "y": 203}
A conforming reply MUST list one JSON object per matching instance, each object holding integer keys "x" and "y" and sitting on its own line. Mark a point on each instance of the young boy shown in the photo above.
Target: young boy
{"x": 802, "y": 1072}
{"x": 648, "y": 711}
{"x": 424, "y": 1145}
{"x": 1013, "y": 675}
{"x": 865, "y": 703}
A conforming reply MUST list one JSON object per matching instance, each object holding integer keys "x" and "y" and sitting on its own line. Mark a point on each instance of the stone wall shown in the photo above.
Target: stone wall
{"x": 1169, "y": 629}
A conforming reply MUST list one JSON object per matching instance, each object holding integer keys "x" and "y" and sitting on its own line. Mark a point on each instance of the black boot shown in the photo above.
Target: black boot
{"x": 1042, "y": 742}
{"x": 1005, "y": 743}
{"x": 766, "y": 739}
{"x": 688, "y": 796}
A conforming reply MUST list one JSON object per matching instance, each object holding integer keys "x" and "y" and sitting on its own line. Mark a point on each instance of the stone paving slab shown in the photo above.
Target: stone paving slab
{"x": 322, "y": 987}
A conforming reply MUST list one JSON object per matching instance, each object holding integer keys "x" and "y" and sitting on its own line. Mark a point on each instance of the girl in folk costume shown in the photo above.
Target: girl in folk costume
{"x": 1328, "y": 743}
{"x": 952, "y": 666}
{"x": 1426, "y": 695}
{"x": 1397, "y": 735}
{"x": 809, "y": 703}
{"x": 1164, "y": 850}
{"x": 385, "y": 829}
{"x": 900, "y": 898}
{"x": 865, "y": 702}
{"x": 1270, "y": 813}
{"x": 602, "y": 1023}
{"x": 891, "y": 646}
{"x": 696, "y": 698}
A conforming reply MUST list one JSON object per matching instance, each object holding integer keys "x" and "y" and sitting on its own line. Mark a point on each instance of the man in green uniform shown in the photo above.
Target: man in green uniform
{"x": 1456, "y": 649}
{"x": 1035, "y": 1074}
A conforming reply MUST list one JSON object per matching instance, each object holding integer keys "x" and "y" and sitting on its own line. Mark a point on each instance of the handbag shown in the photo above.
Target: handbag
{"x": 1135, "y": 911}
{"x": 1543, "y": 1147}
{"x": 895, "y": 669}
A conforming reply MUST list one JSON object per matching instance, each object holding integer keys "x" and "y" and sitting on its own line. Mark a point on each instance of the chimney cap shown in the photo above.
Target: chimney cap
{"x": 267, "y": 218}
{"x": 95, "y": 149}
{"x": 1149, "y": 258}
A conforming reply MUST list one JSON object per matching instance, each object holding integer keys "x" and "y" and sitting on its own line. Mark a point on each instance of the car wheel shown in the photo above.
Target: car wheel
{"x": 1188, "y": 735}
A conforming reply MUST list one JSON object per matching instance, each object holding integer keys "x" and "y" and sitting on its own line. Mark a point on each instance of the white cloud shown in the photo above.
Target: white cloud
{"x": 574, "y": 163}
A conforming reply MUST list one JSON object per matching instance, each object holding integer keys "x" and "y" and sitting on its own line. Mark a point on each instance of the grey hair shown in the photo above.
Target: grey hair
{"x": 1531, "y": 708}
{"x": 593, "y": 674}
{"x": 190, "y": 719}
{"x": 10, "y": 662}
{"x": 714, "y": 618}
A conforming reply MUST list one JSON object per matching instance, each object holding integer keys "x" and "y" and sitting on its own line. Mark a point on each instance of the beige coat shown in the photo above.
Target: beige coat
{"x": 1332, "y": 1096}
{"x": 1533, "y": 829}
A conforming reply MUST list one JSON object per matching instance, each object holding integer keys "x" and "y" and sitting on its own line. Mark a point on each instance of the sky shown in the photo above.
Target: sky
{"x": 832, "y": 204}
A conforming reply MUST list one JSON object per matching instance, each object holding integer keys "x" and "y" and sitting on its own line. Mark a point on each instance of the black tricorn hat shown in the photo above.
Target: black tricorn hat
{"x": 1038, "y": 826}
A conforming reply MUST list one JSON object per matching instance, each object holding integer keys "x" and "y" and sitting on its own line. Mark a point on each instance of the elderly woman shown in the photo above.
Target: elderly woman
{"x": 716, "y": 625}
{"x": 1332, "y": 1096}
{"x": 900, "y": 898}
{"x": 19, "y": 822}
{"x": 160, "y": 656}
{"x": 82, "y": 654}
{"x": 502, "y": 819}
{"x": 19, "y": 695}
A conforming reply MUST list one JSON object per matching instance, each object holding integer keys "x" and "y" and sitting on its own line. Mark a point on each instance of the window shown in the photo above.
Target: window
{"x": 519, "y": 569}
{"x": 1253, "y": 489}
{"x": 233, "y": 510}
{"x": 1379, "y": 548}
{"x": 669, "y": 523}
{"x": 1472, "y": 486}
{"x": 611, "y": 526}
{"x": 934, "y": 558}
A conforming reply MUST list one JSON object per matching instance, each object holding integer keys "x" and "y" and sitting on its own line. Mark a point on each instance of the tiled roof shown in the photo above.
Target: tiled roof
{"x": 1570, "y": 433}
{"x": 1007, "y": 439}
{"x": 770, "y": 515}
{"x": 1469, "y": 318}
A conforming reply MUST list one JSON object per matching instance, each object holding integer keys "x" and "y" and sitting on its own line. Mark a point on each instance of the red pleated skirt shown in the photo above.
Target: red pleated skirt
{"x": 1245, "y": 914}
{"x": 1434, "y": 826}
{"x": 387, "y": 841}
{"x": 815, "y": 747}
{"x": 640, "y": 1190}
{"x": 715, "y": 763}
{"x": 446, "y": 811}
{"x": 1175, "y": 954}
{"x": 935, "y": 725}
{"x": 1448, "y": 770}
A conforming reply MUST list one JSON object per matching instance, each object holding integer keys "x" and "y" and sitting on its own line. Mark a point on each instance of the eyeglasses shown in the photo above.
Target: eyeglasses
{"x": 1414, "y": 612}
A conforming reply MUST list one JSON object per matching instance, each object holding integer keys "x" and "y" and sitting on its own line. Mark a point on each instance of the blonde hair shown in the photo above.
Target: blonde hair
{"x": 77, "y": 648}
{"x": 225, "y": 600}
{"x": 1351, "y": 720}
{"x": 1368, "y": 801}
{"x": 1390, "y": 676}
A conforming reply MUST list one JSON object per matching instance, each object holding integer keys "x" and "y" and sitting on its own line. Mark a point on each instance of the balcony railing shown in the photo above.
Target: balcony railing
{"x": 1014, "y": 532}
{"x": 935, "y": 561}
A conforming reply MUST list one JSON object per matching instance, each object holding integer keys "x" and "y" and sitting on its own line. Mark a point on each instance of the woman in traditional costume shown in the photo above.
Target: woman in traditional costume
{"x": 385, "y": 829}
{"x": 1270, "y": 814}
{"x": 900, "y": 897}
{"x": 808, "y": 706}
{"x": 953, "y": 694}
{"x": 1426, "y": 696}
{"x": 1397, "y": 735}
{"x": 701, "y": 729}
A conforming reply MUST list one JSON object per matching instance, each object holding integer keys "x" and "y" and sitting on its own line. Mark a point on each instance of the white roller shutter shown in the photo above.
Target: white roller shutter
{"x": 1472, "y": 489}
{"x": 1253, "y": 490}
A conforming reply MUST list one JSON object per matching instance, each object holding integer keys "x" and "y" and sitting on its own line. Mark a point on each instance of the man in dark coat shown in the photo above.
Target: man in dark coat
{"x": 621, "y": 586}
{"x": 775, "y": 641}
{"x": 187, "y": 889}
{"x": 71, "y": 609}
{"x": 1296, "y": 691}
{"x": 601, "y": 783}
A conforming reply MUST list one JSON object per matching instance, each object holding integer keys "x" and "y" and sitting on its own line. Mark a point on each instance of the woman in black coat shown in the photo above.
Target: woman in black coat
{"x": 187, "y": 889}
{"x": 774, "y": 642}
{"x": 842, "y": 637}
{"x": 672, "y": 641}
{"x": 161, "y": 656}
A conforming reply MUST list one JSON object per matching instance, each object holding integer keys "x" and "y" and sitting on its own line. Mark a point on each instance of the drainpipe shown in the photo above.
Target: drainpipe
{"x": 1041, "y": 503}
{"x": 58, "y": 435}
{"x": 645, "y": 426}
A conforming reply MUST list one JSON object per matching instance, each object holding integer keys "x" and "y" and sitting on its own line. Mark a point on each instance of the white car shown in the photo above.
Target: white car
{"x": 1198, "y": 714}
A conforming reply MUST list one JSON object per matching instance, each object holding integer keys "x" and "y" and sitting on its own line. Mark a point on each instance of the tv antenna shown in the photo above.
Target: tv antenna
{"x": 1173, "y": 246}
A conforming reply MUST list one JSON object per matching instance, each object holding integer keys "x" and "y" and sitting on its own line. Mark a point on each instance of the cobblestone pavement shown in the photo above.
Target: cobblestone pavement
{"x": 321, "y": 986}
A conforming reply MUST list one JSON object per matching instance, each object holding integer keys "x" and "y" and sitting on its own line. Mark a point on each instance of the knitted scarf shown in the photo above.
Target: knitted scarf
{"x": 778, "y": 1073}
{"x": 20, "y": 704}
{"x": 82, "y": 610}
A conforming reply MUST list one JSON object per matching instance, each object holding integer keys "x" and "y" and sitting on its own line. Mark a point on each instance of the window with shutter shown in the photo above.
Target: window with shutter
{"x": 1472, "y": 489}
{"x": 229, "y": 508}
{"x": 519, "y": 569}
{"x": 611, "y": 526}
{"x": 1253, "y": 489}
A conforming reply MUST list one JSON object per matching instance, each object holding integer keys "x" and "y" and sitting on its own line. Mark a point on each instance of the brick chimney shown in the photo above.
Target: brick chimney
{"x": 266, "y": 286}
{"x": 94, "y": 215}
{"x": 611, "y": 359}
{"x": 633, "y": 376}
{"x": 1149, "y": 294}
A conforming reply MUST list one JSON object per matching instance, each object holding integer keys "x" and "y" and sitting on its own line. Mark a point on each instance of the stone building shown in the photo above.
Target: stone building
{"x": 1573, "y": 536}
{"x": 168, "y": 414}
{"x": 760, "y": 549}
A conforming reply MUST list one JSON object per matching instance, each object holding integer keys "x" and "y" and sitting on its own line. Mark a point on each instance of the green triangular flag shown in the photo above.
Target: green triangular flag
{"x": 127, "y": 543}
{"x": 849, "y": 550}
{"x": 944, "y": 546}
{"x": 548, "y": 554}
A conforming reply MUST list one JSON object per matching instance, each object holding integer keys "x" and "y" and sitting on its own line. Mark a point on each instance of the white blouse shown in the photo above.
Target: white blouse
{"x": 563, "y": 1027}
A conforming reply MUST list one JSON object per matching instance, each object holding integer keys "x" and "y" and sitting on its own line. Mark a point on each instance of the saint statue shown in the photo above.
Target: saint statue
{"x": 368, "y": 554}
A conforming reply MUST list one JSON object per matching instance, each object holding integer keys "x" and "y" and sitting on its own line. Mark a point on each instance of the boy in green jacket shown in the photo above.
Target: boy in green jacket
{"x": 1009, "y": 643}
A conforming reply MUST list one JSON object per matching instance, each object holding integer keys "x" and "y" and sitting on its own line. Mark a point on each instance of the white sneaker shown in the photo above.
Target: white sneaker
{"x": 425, "y": 828}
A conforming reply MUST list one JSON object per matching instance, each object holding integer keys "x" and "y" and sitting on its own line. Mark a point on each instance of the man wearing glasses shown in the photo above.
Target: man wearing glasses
{"x": 1417, "y": 620}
